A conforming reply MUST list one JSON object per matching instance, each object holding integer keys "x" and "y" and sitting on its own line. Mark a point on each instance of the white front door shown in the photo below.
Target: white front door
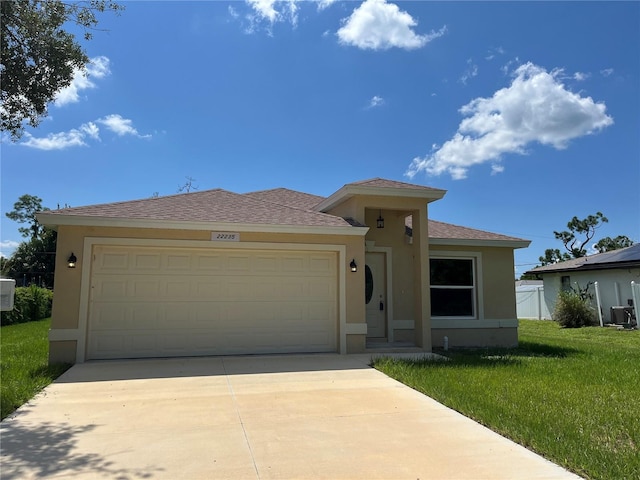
{"x": 375, "y": 295}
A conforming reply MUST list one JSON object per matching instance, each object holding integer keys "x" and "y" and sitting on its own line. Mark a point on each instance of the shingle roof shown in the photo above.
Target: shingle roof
{"x": 384, "y": 183}
{"x": 275, "y": 207}
{"x": 449, "y": 231}
{"x": 207, "y": 206}
{"x": 622, "y": 258}
{"x": 286, "y": 197}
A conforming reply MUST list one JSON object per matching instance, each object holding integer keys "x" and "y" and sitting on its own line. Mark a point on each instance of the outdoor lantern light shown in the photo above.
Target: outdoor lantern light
{"x": 71, "y": 261}
{"x": 353, "y": 265}
{"x": 380, "y": 220}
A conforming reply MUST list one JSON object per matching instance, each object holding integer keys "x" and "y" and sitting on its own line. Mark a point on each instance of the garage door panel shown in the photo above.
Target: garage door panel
{"x": 151, "y": 301}
{"x": 147, "y": 262}
{"x": 211, "y": 263}
{"x": 113, "y": 261}
{"x": 178, "y": 263}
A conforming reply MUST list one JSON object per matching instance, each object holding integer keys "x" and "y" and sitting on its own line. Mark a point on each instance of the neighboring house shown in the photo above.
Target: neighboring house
{"x": 530, "y": 302}
{"x": 218, "y": 273}
{"x": 613, "y": 271}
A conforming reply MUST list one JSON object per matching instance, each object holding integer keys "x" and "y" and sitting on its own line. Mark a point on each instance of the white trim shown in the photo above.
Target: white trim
{"x": 388, "y": 251}
{"x": 476, "y": 257}
{"x": 87, "y": 261}
{"x": 441, "y": 323}
{"x": 77, "y": 220}
{"x": 349, "y": 191}
{"x": 459, "y": 242}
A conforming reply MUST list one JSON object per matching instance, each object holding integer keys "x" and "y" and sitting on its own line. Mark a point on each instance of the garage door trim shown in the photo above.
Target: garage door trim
{"x": 80, "y": 335}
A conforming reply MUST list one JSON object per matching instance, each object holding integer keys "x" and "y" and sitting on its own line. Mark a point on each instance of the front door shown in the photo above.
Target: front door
{"x": 375, "y": 295}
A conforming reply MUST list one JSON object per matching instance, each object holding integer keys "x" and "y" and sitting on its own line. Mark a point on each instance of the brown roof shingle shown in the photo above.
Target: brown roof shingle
{"x": 207, "y": 206}
{"x": 384, "y": 183}
{"x": 456, "y": 232}
{"x": 286, "y": 197}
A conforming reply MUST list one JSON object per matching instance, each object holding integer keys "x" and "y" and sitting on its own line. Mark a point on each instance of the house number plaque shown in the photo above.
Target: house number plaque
{"x": 225, "y": 237}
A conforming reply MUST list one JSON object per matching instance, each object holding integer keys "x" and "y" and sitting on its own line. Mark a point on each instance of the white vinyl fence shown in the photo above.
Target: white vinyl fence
{"x": 530, "y": 303}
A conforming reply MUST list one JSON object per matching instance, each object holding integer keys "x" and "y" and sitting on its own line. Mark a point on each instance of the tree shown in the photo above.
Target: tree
{"x": 34, "y": 260}
{"x": 24, "y": 211}
{"x": 575, "y": 246}
{"x": 188, "y": 186}
{"x": 39, "y": 57}
{"x": 608, "y": 244}
{"x": 553, "y": 255}
{"x": 586, "y": 228}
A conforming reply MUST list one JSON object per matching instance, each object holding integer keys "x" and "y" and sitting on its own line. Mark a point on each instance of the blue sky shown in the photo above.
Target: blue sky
{"x": 527, "y": 113}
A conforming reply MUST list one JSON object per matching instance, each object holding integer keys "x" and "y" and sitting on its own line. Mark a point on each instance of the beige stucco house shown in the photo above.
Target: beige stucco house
{"x": 221, "y": 273}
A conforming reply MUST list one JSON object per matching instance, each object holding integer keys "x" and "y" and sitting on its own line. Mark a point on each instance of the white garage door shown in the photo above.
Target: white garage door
{"x": 163, "y": 302}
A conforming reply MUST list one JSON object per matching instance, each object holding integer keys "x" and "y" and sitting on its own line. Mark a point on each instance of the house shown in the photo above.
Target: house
{"x": 609, "y": 276}
{"x": 220, "y": 273}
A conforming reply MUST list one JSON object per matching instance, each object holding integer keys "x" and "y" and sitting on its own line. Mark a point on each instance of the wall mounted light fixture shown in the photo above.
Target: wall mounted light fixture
{"x": 71, "y": 261}
{"x": 380, "y": 221}
{"x": 353, "y": 265}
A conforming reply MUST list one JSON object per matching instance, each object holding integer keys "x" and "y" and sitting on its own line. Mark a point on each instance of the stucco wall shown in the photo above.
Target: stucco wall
{"x": 496, "y": 322}
{"x": 67, "y": 301}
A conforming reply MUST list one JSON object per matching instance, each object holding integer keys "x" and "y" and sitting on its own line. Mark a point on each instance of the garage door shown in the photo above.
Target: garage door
{"x": 163, "y": 302}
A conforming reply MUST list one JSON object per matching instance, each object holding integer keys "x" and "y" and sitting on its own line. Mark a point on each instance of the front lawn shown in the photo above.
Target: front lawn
{"x": 24, "y": 368}
{"x": 571, "y": 395}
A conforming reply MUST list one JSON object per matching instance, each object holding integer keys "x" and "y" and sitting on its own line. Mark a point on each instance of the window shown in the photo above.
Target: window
{"x": 453, "y": 289}
{"x": 565, "y": 283}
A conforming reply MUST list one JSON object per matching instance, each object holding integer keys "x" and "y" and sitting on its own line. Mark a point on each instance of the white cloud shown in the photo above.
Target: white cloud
{"x": 493, "y": 52}
{"x": 580, "y": 76}
{"x": 120, "y": 126}
{"x": 77, "y": 137}
{"x": 7, "y": 247}
{"x": 378, "y": 25}
{"x": 97, "y": 67}
{"x": 376, "y": 101}
{"x": 322, "y": 4}
{"x": 56, "y": 141}
{"x": 536, "y": 107}
{"x": 496, "y": 168}
{"x": 265, "y": 9}
{"x": 271, "y": 12}
{"x": 606, "y": 72}
{"x": 91, "y": 129}
{"x": 472, "y": 71}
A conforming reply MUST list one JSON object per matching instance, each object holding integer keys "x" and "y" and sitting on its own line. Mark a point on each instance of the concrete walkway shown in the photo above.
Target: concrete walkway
{"x": 262, "y": 417}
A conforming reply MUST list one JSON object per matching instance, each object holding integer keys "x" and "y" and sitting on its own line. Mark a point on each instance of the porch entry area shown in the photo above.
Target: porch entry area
{"x": 378, "y": 301}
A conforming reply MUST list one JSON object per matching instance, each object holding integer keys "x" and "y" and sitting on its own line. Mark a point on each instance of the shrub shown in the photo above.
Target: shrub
{"x": 31, "y": 303}
{"x": 573, "y": 310}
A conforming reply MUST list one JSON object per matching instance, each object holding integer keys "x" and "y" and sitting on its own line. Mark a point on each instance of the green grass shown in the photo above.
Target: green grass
{"x": 24, "y": 368}
{"x": 571, "y": 395}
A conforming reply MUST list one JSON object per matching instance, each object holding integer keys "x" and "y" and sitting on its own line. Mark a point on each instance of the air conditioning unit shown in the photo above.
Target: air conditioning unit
{"x": 621, "y": 314}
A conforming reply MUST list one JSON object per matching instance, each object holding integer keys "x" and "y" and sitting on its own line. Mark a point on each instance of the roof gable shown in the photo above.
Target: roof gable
{"x": 382, "y": 188}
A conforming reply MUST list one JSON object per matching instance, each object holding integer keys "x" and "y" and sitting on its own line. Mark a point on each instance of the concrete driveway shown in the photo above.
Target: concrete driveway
{"x": 261, "y": 417}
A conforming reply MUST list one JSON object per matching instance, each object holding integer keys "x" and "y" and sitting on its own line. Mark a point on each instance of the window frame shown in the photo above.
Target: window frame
{"x": 476, "y": 288}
